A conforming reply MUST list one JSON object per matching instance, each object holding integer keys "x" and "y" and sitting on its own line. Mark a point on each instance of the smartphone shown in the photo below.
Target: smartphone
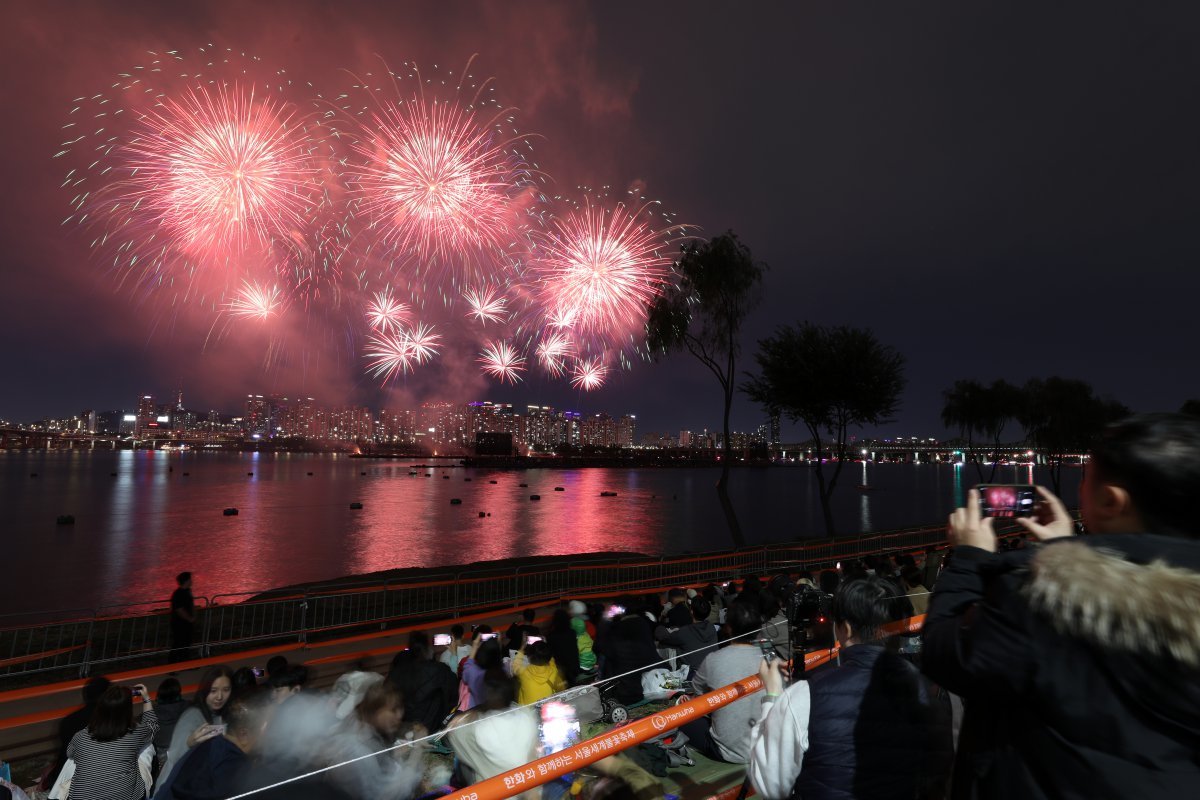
{"x": 442, "y": 639}
{"x": 559, "y": 728}
{"x": 258, "y": 671}
{"x": 220, "y": 729}
{"x": 483, "y": 637}
{"x": 768, "y": 649}
{"x": 136, "y": 692}
{"x": 1007, "y": 500}
{"x": 532, "y": 639}
{"x": 614, "y": 611}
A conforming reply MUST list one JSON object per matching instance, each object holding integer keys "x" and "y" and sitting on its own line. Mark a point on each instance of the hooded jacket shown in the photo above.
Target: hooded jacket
{"x": 696, "y": 639}
{"x": 1079, "y": 665}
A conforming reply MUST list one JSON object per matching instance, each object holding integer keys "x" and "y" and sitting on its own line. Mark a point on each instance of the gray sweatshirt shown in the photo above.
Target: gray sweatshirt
{"x": 731, "y": 725}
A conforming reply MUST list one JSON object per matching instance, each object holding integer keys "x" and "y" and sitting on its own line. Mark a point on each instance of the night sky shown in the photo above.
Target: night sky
{"x": 996, "y": 189}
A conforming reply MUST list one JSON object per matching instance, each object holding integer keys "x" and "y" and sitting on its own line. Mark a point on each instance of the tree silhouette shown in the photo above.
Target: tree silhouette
{"x": 703, "y": 314}
{"x": 973, "y": 408}
{"x": 1062, "y": 417}
{"x": 962, "y": 409}
{"x": 829, "y": 379}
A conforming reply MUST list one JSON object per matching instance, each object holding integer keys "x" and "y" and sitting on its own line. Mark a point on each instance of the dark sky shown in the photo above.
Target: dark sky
{"x": 996, "y": 189}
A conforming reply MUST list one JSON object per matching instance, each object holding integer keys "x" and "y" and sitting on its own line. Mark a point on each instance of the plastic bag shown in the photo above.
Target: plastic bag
{"x": 659, "y": 684}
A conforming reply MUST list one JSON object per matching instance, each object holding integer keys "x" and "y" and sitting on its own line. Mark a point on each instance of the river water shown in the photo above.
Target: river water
{"x": 134, "y": 531}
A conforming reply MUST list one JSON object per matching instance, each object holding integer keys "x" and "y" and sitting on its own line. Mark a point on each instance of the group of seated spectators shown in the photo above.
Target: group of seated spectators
{"x": 1061, "y": 665}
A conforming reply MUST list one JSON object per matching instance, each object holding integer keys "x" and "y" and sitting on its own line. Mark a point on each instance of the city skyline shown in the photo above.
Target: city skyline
{"x": 955, "y": 203}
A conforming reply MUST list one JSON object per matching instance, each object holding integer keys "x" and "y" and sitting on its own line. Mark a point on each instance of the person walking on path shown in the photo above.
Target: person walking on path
{"x": 183, "y": 618}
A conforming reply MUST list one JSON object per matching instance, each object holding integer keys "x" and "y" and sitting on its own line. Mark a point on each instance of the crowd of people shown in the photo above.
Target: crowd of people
{"x": 1065, "y": 665}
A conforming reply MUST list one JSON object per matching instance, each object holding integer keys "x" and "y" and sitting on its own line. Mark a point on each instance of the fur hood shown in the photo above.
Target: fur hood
{"x": 1095, "y": 594}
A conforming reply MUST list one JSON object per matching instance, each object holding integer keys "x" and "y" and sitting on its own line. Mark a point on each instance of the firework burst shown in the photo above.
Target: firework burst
{"x": 588, "y": 374}
{"x": 486, "y": 305}
{"x": 554, "y": 350}
{"x": 501, "y": 360}
{"x": 386, "y": 314}
{"x": 256, "y": 302}
{"x": 390, "y": 355}
{"x": 600, "y": 269}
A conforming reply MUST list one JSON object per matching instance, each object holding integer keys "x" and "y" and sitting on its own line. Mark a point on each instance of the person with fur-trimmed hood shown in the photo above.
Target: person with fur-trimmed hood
{"x": 1079, "y": 660}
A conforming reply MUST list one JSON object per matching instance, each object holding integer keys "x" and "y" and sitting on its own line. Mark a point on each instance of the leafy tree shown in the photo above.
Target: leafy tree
{"x": 1002, "y": 402}
{"x": 1062, "y": 417}
{"x": 702, "y": 313}
{"x": 829, "y": 379}
{"x": 962, "y": 409}
{"x": 973, "y": 408}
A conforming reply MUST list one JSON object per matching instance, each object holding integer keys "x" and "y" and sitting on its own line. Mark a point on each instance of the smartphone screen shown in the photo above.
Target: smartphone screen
{"x": 442, "y": 640}
{"x": 258, "y": 671}
{"x": 532, "y": 639}
{"x": 1007, "y": 500}
{"x": 768, "y": 649}
{"x": 483, "y": 637}
{"x": 559, "y": 728}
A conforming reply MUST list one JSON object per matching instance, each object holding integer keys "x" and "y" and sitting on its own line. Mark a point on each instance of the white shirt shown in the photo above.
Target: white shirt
{"x": 779, "y": 741}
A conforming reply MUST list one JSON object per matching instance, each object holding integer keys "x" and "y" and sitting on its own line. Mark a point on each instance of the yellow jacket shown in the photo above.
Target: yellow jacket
{"x": 536, "y": 682}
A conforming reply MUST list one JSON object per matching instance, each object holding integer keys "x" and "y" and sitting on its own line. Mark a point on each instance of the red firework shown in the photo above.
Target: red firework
{"x": 486, "y": 305}
{"x": 600, "y": 269}
{"x": 588, "y": 374}
{"x": 386, "y": 314}
{"x": 438, "y": 180}
{"x": 217, "y": 171}
{"x": 554, "y": 350}
{"x": 501, "y": 360}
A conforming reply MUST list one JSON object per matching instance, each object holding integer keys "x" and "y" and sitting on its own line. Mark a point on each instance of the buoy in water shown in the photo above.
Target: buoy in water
{"x": 251, "y": 474}
{"x": 535, "y": 497}
{"x": 559, "y": 489}
{"x": 491, "y": 481}
{"x": 412, "y": 474}
{"x": 310, "y": 474}
{"x": 364, "y": 472}
{"x": 356, "y": 506}
{"x": 231, "y": 512}
{"x": 608, "y": 494}
{"x": 524, "y": 485}
{"x": 466, "y": 480}
{"x": 445, "y": 477}
{"x": 455, "y": 501}
{"x": 482, "y": 515}
{"x": 186, "y": 474}
{"x": 65, "y": 519}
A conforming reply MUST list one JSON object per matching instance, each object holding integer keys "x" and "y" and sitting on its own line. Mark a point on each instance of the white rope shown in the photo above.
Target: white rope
{"x": 439, "y": 734}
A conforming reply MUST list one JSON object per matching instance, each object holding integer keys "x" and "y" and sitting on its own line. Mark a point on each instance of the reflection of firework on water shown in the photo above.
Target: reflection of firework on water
{"x": 387, "y": 314}
{"x": 554, "y": 350}
{"x": 588, "y": 373}
{"x": 501, "y": 360}
{"x": 486, "y": 305}
{"x": 255, "y": 302}
{"x": 600, "y": 269}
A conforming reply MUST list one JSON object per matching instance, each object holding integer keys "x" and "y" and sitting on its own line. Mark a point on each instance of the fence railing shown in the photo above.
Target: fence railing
{"x": 102, "y": 638}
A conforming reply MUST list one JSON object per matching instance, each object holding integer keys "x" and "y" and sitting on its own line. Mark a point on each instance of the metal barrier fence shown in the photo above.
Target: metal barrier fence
{"x": 104, "y": 637}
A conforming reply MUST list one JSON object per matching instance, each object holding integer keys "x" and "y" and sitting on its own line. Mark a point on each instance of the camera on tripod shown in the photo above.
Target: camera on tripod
{"x": 809, "y": 619}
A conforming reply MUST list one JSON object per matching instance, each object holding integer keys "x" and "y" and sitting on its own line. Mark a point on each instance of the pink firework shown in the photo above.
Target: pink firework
{"x": 423, "y": 341}
{"x": 390, "y": 354}
{"x": 256, "y": 302}
{"x": 553, "y": 352}
{"x": 588, "y": 374}
{"x": 438, "y": 180}
{"x": 217, "y": 171}
{"x": 387, "y": 314}
{"x": 501, "y": 360}
{"x": 486, "y": 305}
{"x": 600, "y": 270}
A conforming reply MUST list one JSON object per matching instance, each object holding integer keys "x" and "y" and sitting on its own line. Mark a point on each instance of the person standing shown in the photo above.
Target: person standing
{"x": 183, "y": 618}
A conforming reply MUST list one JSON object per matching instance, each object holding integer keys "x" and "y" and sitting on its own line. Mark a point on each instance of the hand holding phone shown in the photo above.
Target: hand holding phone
{"x": 768, "y": 649}
{"x": 1006, "y": 499}
{"x": 442, "y": 639}
{"x": 484, "y": 637}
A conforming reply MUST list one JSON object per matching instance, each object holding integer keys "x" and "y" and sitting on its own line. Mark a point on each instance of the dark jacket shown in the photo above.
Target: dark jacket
{"x": 168, "y": 715}
{"x": 877, "y": 729}
{"x": 429, "y": 687}
{"x": 628, "y": 646}
{"x": 212, "y": 770}
{"x": 1079, "y": 667}
{"x": 565, "y": 651}
{"x": 701, "y": 636}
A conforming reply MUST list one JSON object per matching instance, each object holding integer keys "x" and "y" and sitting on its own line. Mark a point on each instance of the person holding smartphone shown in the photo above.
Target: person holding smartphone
{"x": 106, "y": 752}
{"x": 485, "y": 654}
{"x": 538, "y": 676}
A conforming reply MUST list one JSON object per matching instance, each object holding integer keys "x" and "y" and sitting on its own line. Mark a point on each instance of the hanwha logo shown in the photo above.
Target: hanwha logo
{"x": 658, "y": 722}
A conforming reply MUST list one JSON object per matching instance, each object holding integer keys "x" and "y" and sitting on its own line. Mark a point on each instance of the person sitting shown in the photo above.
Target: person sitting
{"x": 458, "y": 649}
{"x": 276, "y": 665}
{"x": 106, "y": 752}
{"x": 1078, "y": 660}
{"x": 74, "y": 722}
{"x": 374, "y": 727}
{"x": 288, "y": 683}
{"x": 628, "y": 649}
{"x": 244, "y": 682}
{"x": 675, "y": 613}
{"x": 865, "y": 725}
{"x": 695, "y": 640}
{"x": 169, "y": 705}
{"x": 202, "y": 720}
{"x": 725, "y": 735}
{"x": 219, "y": 767}
{"x": 564, "y": 645}
{"x": 485, "y": 654}
{"x": 497, "y": 735}
{"x": 584, "y": 647}
{"x": 520, "y": 628}
{"x": 918, "y": 595}
{"x": 429, "y": 688}
{"x": 538, "y": 677}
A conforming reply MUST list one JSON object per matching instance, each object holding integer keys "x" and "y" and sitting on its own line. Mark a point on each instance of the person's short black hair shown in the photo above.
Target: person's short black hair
{"x": 456, "y": 631}
{"x": 276, "y": 665}
{"x": 183, "y": 578}
{"x": 247, "y": 712}
{"x": 94, "y": 689}
{"x": 1156, "y": 458}
{"x": 701, "y": 608}
{"x": 911, "y": 575}
{"x": 418, "y": 644}
{"x": 489, "y": 654}
{"x": 743, "y": 618}
{"x": 296, "y": 675}
{"x": 677, "y": 594}
{"x": 113, "y": 716}
{"x": 538, "y": 653}
{"x": 243, "y": 680}
{"x": 528, "y": 615}
{"x": 499, "y": 690}
{"x": 169, "y": 691}
{"x": 866, "y": 604}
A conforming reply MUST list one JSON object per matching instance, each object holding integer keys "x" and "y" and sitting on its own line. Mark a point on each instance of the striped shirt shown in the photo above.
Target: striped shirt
{"x": 109, "y": 770}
